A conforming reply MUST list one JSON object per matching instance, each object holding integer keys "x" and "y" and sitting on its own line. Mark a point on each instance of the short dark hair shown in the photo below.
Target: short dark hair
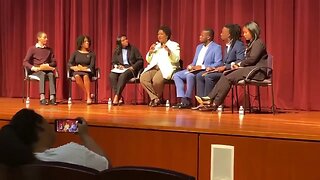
{"x": 80, "y": 41}
{"x": 166, "y": 30}
{"x": 211, "y": 32}
{"x": 26, "y": 124}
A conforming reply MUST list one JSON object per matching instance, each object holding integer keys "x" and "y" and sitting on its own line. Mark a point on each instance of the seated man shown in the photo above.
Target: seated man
{"x": 234, "y": 51}
{"x": 28, "y": 137}
{"x": 208, "y": 54}
{"x": 41, "y": 62}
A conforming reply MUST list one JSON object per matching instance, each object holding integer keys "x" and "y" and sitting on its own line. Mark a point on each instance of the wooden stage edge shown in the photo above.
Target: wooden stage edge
{"x": 292, "y": 125}
{"x": 266, "y": 146}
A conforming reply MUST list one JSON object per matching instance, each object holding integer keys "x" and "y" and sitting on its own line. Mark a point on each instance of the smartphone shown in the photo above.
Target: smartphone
{"x": 66, "y": 125}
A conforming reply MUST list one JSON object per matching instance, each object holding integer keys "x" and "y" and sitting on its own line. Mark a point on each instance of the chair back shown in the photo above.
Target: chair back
{"x": 52, "y": 171}
{"x": 270, "y": 65}
{"x": 142, "y": 173}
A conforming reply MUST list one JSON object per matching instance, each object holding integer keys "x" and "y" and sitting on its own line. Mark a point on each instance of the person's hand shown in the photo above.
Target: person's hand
{"x": 210, "y": 68}
{"x": 235, "y": 66}
{"x": 189, "y": 68}
{"x": 221, "y": 68}
{"x": 152, "y": 48}
{"x": 131, "y": 68}
{"x": 121, "y": 67}
{"x": 196, "y": 67}
{"x": 82, "y": 126}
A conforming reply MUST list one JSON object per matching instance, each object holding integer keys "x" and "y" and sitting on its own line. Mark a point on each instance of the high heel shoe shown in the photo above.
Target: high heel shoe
{"x": 121, "y": 101}
{"x": 203, "y": 100}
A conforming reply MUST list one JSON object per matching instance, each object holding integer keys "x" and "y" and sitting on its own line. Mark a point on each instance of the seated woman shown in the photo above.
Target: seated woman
{"x": 127, "y": 62}
{"x": 82, "y": 63}
{"x": 163, "y": 59}
{"x": 255, "y": 56}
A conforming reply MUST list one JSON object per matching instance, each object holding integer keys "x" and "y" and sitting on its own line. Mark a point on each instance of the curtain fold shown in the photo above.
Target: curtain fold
{"x": 289, "y": 28}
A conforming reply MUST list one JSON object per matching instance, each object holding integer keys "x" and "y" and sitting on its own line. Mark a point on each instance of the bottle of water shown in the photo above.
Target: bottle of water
{"x": 241, "y": 110}
{"x": 109, "y": 101}
{"x": 220, "y": 108}
{"x": 167, "y": 103}
{"x": 69, "y": 100}
{"x": 28, "y": 100}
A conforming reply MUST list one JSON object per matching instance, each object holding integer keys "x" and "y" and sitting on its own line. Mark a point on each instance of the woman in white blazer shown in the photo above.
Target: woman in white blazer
{"x": 163, "y": 58}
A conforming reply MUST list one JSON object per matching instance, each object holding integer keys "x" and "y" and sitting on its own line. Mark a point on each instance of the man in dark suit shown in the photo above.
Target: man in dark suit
{"x": 234, "y": 51}
{"x": 127, "y": 62}
{"x": 208, "y": 54}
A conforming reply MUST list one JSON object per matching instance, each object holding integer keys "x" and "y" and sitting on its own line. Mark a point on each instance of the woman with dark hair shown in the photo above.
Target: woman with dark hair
{"x": 29, "y": 137}
{"x": 82, "y": 64}
{"x": 127, "y": 62}
{"x": 163, "y": 58}
{"x": 255, "y": 56}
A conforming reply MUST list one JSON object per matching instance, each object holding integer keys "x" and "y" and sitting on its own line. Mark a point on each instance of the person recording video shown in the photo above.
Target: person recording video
{"x": 29, "y": 137}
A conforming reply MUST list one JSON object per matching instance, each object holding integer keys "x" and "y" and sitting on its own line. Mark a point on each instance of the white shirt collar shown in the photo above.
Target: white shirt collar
{"x": 39, "y": 46}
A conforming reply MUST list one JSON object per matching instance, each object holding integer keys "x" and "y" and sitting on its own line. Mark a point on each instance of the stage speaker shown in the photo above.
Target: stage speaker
{"x": 222, "y": 162}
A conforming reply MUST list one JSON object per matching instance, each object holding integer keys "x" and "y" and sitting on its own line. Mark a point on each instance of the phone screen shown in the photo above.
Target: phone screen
{"x": 66, "y": 125}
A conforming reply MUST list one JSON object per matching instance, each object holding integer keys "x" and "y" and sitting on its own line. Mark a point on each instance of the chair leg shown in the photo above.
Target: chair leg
{"x": 28, "y": 89}
{"x": 245, "y": 97}
{"x": 273, "y": 106}
{"x": 237, "y": 98}
{"x": 23, "y": 92}
{"x": 249, "y": 102}
{"x": 70, "y": 89}
{"x": 258, "y": 94}
{"x": 96, "y": 92}
{"x": 135, "y": 93}
{"x": 232, "y": 98}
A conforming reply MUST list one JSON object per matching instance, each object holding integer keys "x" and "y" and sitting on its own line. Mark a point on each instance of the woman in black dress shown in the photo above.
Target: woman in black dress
{"x": 82, "y": 64}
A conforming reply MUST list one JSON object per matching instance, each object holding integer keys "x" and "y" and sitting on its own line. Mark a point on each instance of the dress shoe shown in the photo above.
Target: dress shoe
{"x": 53, "y": 101}
{"x": 43, "y": 102}
{"x": 177, "y": 106}
{"x": 181, "y": 106}
{"x": 155, "y": 103}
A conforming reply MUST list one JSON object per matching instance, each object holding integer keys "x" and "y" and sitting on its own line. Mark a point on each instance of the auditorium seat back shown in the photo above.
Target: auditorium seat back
{"x": 142, "y": 173}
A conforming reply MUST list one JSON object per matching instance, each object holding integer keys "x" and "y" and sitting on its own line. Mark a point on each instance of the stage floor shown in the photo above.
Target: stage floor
{"x": 294, "y": 125}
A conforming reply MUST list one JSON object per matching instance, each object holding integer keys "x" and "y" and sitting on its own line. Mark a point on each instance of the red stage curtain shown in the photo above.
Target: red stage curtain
{"x": 289, "y": 27}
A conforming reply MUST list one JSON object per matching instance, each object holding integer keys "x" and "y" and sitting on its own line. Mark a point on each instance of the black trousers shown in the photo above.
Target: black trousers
{"x": 52, "y": 81}
{"x": 223, "y": 86}
{"x": 118, "y": 81}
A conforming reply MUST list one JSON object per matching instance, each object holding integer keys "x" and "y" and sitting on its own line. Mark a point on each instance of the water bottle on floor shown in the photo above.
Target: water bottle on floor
{"x": 28, "y": 100}
{"x": 241, "y": 110}
{"x": 167, "y": 103}
{"x": 109, "y": 101}
{"x": 69, "y": 100}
